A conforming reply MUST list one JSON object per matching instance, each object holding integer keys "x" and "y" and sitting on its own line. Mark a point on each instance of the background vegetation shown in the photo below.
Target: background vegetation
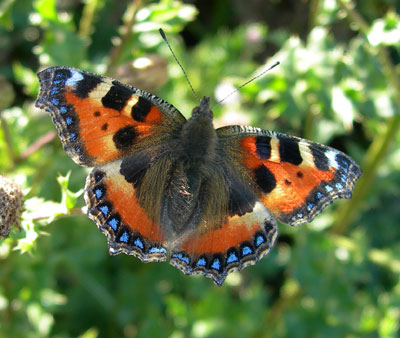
{"x": 338, "y": 83}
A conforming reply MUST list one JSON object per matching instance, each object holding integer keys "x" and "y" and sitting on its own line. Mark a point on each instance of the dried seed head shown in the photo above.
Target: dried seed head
{"x": 10, "y": 206}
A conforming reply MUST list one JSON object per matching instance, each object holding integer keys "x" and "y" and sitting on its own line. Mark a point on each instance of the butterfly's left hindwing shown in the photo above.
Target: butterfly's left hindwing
{"x": 100, "y": 119}
{"x": 113, "y": 205}
{"x": 294, "y": 178}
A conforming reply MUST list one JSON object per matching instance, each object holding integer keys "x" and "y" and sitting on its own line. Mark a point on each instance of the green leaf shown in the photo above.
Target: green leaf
{"x": 46, "y": 9}
{"x": 385, "y": 31}
{"x": 69, "y": 198}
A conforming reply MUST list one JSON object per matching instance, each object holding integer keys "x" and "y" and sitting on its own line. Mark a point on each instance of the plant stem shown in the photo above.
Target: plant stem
{"x": 8, "y": 140}
{"x": 126, "y": 33}
{"x": 86, "y": 23}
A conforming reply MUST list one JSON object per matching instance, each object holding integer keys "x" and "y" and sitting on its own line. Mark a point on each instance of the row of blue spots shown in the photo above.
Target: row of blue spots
{"x": 155, "y": 249}
{"x": 54, "y": 101}
{"x": 104, "y": 209}
{"x": 113, "y": 223}
{"x": 138, "y": 242}
{"x": 181, "y": 257}
{"x": 201, "y": 262}
{"x": 216, "y": 264}
{"x": 259, "y": 240}
{"x": 98, "y": 192}
{"x": 124, "y": 237}
{"x": 232, "y": 258}
{"x": 339, "y": 185}
{"x": 246, "y": 250}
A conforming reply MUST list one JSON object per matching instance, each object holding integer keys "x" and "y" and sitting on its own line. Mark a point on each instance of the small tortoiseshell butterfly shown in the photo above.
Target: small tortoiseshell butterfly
{"x": 163, "y": 186}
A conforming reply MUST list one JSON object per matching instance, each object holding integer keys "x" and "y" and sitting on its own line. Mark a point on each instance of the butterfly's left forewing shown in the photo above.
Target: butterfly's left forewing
{"x": 99, "y": 119}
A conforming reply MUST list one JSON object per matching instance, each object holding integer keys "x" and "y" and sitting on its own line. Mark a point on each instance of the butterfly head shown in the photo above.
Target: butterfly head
{"x": 203, "y": 109}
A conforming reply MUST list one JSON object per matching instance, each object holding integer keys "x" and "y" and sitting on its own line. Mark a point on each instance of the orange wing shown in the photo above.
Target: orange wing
{"x": 114, "y": 207}
{"x": 101, "y": 120}
{"x": 241, "y": 241}
{"x": 294, "y": 178}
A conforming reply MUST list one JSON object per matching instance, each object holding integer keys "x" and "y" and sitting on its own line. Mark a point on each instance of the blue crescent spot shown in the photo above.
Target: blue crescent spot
{"x": 104, "y": 209}
{"x": 181, "y": 258}
{"x": 343, "y": 178}
{"x": 124, "y": 238}
{"x": 72, "y": 136}
{"x": 328, "y": 188}
{"x": 98, "y": 193}
{"x": 319, "y": 195}
{"x": 259, "y": 240}
{"x": 155, "y": 249}
{"x": 54, "y": 101}
{"x": 54, "y": 91}
{"x": 63, "y": 109}
{"x": 201, "y": 262}
{"x": 57, "y": 76}
{"x": 113, "y": 223}
{"x": 300, "y": 215}
{"x": 216, "y": 264}
{"x": 56, "y": 82}
{"x": 246, "y": 251}
{"x": 339, "y": 185}
{"x": 68, "y": 120}
{"x": 310, "y": 206}
{"x": 138, "y": 243}
{"x": 78, "y": 149}
{"x": 232, "y": 258}
{"x": 293, "y": 218}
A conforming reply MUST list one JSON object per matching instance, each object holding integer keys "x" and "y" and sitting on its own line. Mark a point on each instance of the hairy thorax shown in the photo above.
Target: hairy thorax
{"x": 198, "y": 140}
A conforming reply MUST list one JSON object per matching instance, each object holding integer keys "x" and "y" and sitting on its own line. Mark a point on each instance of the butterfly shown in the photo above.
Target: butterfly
{"x": 164, "y": 187}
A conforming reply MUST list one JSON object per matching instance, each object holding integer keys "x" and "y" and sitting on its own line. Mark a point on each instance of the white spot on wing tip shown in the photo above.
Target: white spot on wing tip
{"x": 76, "y": 77}
{"x": 331, "y": 155}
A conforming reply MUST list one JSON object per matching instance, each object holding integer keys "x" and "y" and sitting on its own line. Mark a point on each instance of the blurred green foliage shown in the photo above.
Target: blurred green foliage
{"x": 338, "y": 83}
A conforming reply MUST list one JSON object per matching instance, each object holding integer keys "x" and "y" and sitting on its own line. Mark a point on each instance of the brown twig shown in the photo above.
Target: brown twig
{"x": 42, "y": 141}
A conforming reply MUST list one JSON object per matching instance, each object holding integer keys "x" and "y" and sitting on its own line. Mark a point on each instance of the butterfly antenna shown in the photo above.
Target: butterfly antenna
{"x": 251, "y": 80}
{"x": 177, "y": 61}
